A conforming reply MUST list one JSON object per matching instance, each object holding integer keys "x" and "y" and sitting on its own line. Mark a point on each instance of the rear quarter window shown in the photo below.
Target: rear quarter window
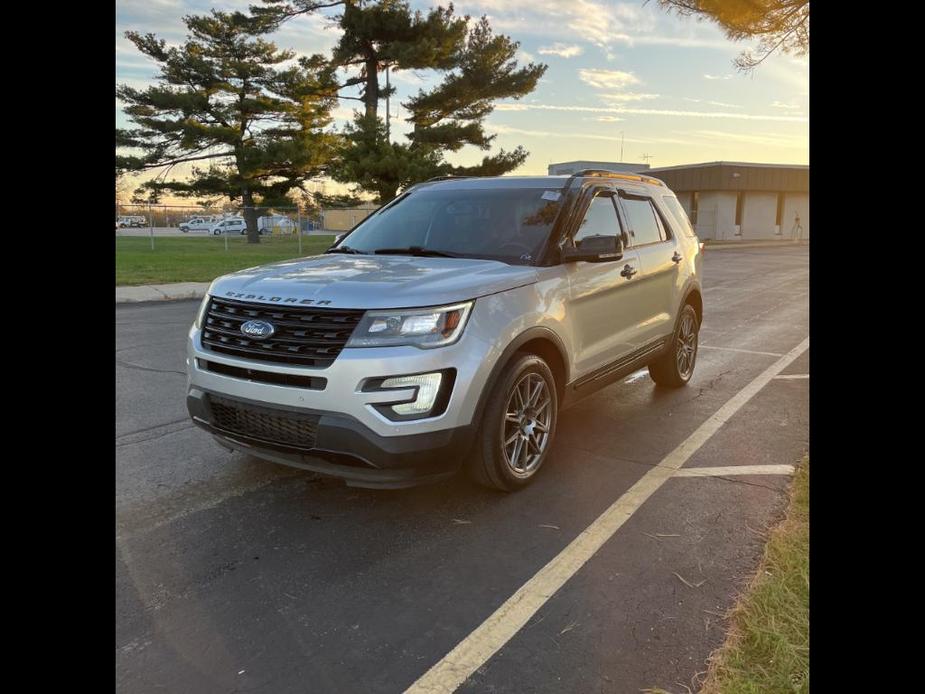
{"x": 678, "y": 215}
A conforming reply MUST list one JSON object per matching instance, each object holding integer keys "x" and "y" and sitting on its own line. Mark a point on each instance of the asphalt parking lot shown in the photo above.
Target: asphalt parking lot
{"x": 234, "y": 574}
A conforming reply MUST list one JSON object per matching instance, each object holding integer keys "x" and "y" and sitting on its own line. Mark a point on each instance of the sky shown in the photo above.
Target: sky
{"x": 620, "y": 74}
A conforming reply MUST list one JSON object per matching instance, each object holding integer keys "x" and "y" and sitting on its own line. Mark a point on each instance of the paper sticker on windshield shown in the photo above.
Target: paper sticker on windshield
{"x": 553, "y": 195}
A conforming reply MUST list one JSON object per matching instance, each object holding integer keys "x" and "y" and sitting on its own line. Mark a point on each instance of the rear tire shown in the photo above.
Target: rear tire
{"x": 518, "y": 426}
{"x": 676, "y": 366}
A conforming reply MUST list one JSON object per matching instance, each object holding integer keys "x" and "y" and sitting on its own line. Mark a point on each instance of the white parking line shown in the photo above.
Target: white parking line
{"x": 734, "y": 470}
{"x": 792, "y": 376}
{"x": 743, "y": 351}
{"x": 480, "y": 645}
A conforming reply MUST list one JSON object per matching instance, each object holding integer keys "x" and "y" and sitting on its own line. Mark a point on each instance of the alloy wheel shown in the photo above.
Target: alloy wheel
{"x": 687, "y": 345}
{"x": 527, "y": 424}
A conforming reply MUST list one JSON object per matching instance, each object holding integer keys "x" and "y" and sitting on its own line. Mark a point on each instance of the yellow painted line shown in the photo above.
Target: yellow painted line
{"x": 480, "y": 645}
{"x": 734, "y": 470}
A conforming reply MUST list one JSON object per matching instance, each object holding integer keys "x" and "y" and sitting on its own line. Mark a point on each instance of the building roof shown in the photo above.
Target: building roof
{"x": 602, "y": 164}
{"x": 731, "y": 163}
{"x": 735, "y": 176}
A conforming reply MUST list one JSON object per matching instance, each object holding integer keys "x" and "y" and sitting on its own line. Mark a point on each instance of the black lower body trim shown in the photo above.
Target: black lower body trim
{"x": 606, "y": 375}
{"x": 345, "y": 448}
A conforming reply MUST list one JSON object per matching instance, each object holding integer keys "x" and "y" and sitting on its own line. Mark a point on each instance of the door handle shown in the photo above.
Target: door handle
{"x": 628, "y": 271}
{"x": 676, "y": 257}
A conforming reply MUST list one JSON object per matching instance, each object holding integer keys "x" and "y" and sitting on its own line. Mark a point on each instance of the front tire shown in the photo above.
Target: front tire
{"x": 676, "y": 366}
{"x": 518, "y": 426}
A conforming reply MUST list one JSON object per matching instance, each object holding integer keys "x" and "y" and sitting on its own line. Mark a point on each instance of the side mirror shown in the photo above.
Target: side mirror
{"x": 595, "y": 249}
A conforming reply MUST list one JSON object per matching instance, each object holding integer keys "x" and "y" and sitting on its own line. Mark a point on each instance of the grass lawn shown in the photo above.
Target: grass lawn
{"x": 767, "y": 649}
{"x": 202, "y": 259}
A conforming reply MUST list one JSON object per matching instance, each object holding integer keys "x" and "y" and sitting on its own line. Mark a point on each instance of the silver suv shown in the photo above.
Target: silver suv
{"x": 449, "y": 328}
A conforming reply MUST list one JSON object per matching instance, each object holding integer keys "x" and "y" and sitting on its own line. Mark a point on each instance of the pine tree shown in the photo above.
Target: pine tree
{"x": 479, "y": 68}
{"x": 778, "y": 24}
{"x": 251, "y": 116}
{"x": 452, "y": 114}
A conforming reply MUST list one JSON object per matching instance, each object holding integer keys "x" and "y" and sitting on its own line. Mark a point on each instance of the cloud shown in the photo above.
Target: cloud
{"x": 602, "y": 23}
{"x": 627, "y": 96}
{"x": 717, "y": 77}
{"x": 507, "y": 130}
{"x": 561, "y": 50}
{"x": 789, "y": 107}
{"x": 764, "y": 139}
{"x": 607, "y": 79}
{"x": 721, "y": 104}
{"x": 623, "y": 110}
{"x": 614, "y": 79}
{"x": 608, "y": 119}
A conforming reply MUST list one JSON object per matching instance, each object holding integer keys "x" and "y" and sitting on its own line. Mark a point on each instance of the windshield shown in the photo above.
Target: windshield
{"x": 506, "y": 224}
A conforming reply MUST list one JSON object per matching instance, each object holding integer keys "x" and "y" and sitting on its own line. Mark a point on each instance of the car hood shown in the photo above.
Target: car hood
{"x": 372, "y": 281}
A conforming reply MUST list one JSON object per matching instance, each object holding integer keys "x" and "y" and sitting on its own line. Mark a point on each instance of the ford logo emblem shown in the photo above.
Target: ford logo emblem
{"x": 258, "y": 329}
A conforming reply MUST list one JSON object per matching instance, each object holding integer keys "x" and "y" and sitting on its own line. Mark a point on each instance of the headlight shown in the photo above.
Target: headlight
{"x": 421, "y": 327}
{"x": 201, "y": 313}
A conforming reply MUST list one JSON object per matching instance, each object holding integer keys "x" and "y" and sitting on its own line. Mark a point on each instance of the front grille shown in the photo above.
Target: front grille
{"x": 304, "y": 335}
{"x": 266, "y": 424}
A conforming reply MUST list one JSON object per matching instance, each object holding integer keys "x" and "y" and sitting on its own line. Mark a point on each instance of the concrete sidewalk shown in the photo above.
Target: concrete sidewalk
{"x": 162, "y": 292}
{"x": 758, "y": 243}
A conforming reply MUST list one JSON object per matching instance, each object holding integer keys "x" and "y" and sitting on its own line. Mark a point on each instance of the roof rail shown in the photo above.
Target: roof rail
{"x": 606, "y": 173}
{"x": 444, "y": 178}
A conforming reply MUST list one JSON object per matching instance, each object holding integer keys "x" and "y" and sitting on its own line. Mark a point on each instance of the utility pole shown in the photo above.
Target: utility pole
{"x": 388, "y": 119}
{"x": 647, "y": 157}
{"x": 621, "y": 146}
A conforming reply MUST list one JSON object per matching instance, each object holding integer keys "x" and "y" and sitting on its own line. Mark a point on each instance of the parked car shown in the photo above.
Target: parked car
{"x": 230, "y": 225}
{"x": 450, "y": 327}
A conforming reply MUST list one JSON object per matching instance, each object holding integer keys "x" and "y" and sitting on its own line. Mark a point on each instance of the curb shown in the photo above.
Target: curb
{"x": 162, "y": 292}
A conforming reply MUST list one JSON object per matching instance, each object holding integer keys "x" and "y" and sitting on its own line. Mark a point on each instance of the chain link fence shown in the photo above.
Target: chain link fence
{"x": 162, "y": 244}
{"x": 229, "y": 223}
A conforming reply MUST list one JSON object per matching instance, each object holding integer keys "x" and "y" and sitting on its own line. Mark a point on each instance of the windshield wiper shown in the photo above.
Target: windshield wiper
{"x": 345, "y": 249}
{"x": 415, "y": 251}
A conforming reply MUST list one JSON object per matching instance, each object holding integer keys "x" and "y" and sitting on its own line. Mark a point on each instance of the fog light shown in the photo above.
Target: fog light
{"x": 428, "y": 385}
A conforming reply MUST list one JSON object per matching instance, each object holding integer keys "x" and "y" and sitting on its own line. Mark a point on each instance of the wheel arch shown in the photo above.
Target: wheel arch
{"x": 694, "y": 297}
{"x": 537, "y": 340}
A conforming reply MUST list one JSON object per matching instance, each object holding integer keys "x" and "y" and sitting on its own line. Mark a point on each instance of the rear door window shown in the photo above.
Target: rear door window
{"x": 642, "y": 220}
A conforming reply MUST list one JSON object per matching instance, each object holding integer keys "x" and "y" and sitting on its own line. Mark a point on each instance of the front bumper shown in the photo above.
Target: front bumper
{"x": 352, "y": 437}
{"x": 345, "y": 448}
